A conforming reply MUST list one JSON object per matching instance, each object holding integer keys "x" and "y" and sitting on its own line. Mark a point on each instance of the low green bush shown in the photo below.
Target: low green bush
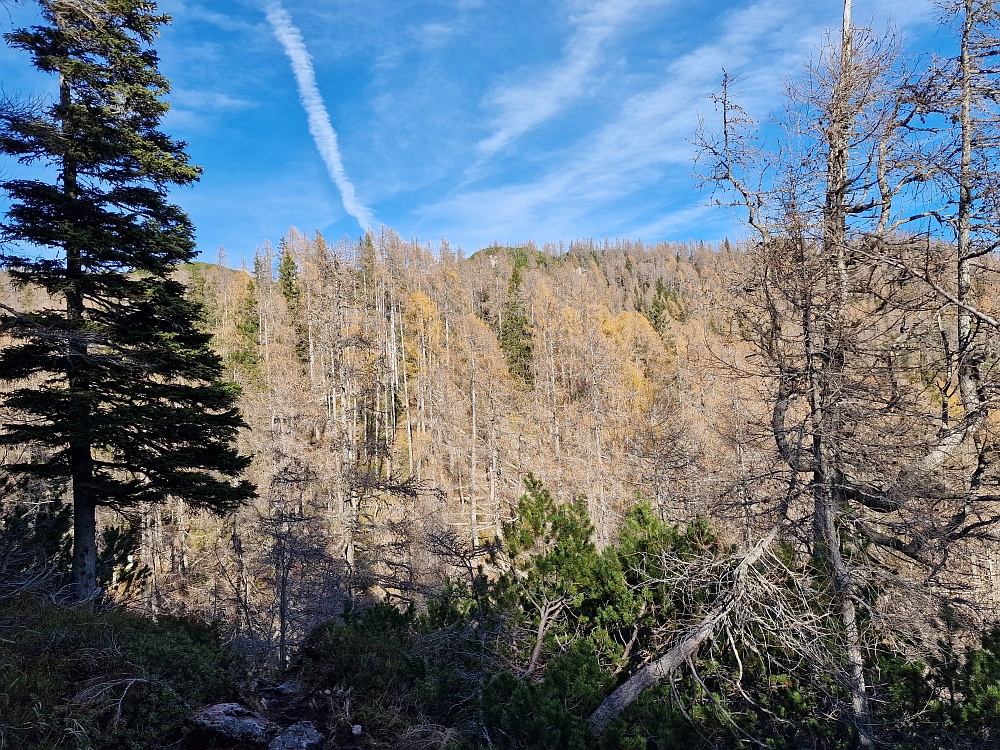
{"x": 519, "y": 658}
{"x": 79, "y": 678}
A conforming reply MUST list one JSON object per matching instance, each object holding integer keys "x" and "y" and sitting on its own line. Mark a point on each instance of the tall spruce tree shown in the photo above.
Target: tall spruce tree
{"x": 112, "y": 380}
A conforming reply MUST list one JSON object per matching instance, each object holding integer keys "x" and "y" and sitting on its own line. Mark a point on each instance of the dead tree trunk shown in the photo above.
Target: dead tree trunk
{"x": 685, "y": 648}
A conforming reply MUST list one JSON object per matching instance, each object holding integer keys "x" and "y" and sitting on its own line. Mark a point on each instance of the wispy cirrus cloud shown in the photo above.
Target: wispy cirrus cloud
{"x": 201, "y": 110}
{"x": 211, "y": 101}
{"x": 483, "y": 120}
{"x": 320, "y": 127}
{"x": 905, "y": 13}
{"x": 647, "y": 143}
{"x": 519, "y": 108}
{"x": 198, "y": 12}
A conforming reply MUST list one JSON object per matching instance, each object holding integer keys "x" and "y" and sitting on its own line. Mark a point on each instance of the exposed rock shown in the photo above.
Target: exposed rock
{"x": 301, "y": 736}
{"x": 277, "y": 699}
{"x": 286, "y": 688}
{"x": 237, "y": 723}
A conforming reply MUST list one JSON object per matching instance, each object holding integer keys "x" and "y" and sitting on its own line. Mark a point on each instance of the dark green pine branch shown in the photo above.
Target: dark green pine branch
{"x": 114, "y": 378}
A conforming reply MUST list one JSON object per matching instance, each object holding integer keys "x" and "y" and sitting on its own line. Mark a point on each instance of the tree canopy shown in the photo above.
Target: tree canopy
{"x": 113, "y": 383}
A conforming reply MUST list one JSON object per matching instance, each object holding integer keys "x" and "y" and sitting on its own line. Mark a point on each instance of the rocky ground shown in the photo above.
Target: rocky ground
{"x": 285, "y": 716}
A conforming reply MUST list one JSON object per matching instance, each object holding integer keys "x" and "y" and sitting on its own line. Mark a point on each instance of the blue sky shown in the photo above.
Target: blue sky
{"x": 473, "y": 120}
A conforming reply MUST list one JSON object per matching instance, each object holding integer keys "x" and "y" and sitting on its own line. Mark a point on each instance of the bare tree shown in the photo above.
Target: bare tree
{"x": 845, "y": 312}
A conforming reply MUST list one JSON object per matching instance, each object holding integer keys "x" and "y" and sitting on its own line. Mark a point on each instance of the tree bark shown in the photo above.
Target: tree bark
{"x": 684, "y": 649}
{"x": 81, "y": 459}
{"x": 473, "y": 510}
{"x": 968, "y": 375}
{"x": 827, "y": 370}
{"x": 84, "y": 529}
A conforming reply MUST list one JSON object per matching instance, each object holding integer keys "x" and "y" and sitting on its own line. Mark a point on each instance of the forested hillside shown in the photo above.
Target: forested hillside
{"x": 394, "y": 393}
{"x": 391, "y": 391}
{"x": 421, "y": 424}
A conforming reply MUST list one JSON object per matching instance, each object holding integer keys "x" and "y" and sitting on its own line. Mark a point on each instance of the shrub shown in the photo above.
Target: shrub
{"x": 106, "y": 679}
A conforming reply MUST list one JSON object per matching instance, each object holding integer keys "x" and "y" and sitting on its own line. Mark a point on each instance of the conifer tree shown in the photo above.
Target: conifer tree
{"x": 291, "y": 290}
{"x": 112, "y": 379}
{"x": 515, "y": 327}
{"x": 244, "y": 357}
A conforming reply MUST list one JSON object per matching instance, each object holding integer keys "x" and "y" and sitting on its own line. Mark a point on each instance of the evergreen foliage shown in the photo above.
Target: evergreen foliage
{"x": 515, "y": 326}
{"x": 119, "y": 386}
{"x": 107, "y": 680}
{"x": 288, "y": 285}
{"x": 458, "y": 673}
{"x": 204, "y": 293}
{"x": 664, "y": 306}
{"x": 244, "y": 358}
{"x": 115, "y": 396}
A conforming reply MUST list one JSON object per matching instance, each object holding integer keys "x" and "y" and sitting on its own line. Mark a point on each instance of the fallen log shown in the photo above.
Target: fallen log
{"x": 685, "y": 648}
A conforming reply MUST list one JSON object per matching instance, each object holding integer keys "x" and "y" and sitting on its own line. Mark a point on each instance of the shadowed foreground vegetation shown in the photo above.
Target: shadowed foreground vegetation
{"x": 75, "y": 678}
{"x": 467, "y": 671}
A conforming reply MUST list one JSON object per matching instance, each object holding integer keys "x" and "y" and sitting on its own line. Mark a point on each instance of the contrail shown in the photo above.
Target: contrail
{"x": 319, "y": 120}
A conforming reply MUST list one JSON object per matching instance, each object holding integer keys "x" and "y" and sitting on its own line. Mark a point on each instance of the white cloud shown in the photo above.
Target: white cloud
{"x": 434, "y": 35}
{"x": 905, "y": 13}
{"x": 196, "y": 11}
{"x": 320, "y": 127}
{"x": 207, "y": 101}
{"x": 521, "y": 108}
{"x": 199, "y": 111}
{"x": 647, "y": 143}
